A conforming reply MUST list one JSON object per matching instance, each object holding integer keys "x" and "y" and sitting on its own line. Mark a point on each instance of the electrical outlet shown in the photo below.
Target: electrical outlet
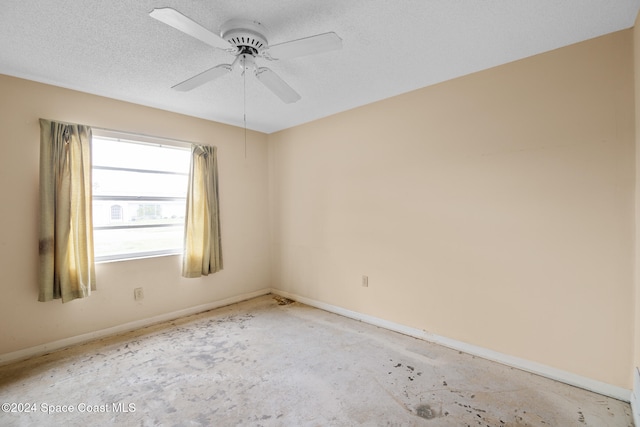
{"x": 365, "y": 281}
{"x": 138, "y": 294}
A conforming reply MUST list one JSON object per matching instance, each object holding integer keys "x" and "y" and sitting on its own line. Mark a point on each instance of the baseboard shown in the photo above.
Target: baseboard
{"x": 505, "y": 359}
{"x": 635, "y": 401}
{"x": 80, "y": 339}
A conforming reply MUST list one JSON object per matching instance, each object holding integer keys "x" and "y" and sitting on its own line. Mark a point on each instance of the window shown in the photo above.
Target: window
{"x": 139, "y": 195}
{"x": 116, "y": 213}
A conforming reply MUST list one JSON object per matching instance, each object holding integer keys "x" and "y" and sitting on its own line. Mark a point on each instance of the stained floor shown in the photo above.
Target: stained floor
{"x": 259, "y": 363}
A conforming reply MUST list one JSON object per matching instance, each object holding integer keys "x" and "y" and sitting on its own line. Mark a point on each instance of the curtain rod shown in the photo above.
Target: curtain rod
{"x": 124, "y": 134}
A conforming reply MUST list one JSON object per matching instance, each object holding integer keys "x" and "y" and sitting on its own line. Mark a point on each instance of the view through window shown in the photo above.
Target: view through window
{"x": 139, "y": 197}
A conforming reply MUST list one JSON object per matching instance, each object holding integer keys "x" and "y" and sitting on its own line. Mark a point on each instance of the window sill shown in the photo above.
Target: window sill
{"x": 136, "y": 257}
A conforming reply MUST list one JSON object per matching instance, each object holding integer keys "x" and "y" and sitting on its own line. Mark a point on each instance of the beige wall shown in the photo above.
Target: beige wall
{"x": 636, "y": 63}
{"x": 24, "y": 322}
{"x": 496, "y": 209}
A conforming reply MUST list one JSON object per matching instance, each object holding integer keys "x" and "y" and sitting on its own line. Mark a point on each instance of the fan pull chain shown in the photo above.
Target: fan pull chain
{"x": 244, "y": 112}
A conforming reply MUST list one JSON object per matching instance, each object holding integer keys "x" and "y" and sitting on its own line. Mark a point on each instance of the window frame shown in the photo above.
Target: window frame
{"x": 135, "y": 138}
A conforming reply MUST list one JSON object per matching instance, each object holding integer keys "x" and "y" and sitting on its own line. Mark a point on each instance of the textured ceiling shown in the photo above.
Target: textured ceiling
{"x": 114, "y": 49}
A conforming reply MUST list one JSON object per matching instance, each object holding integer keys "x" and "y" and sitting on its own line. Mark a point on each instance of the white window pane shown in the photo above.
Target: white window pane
{"x": 125, "y": 183}
{"x": 137, "y": 241}
{"x": 114, "y": 153}
{"x": 137, "y": 213}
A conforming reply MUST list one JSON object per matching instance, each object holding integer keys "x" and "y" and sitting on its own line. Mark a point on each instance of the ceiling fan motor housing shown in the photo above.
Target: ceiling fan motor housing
{"x": 247, "y": 36}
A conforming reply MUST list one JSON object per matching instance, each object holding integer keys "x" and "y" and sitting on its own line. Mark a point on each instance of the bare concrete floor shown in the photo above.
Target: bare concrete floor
{"x": 260, "y": 363}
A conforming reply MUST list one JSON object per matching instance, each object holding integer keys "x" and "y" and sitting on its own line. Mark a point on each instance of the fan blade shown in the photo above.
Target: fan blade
{"x": 278, "y": 86}
{"x": 204, "y": 77}
{"x": 175, "y": 19}
{"x": 307, "y": 46}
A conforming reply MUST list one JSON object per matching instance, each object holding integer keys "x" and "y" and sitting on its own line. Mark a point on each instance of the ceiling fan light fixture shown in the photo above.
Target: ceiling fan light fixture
{"x": 245, "y": 62}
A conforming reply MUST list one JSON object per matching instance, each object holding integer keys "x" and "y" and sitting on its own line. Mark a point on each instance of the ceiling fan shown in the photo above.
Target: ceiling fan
{"x": 246, "y": 40}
